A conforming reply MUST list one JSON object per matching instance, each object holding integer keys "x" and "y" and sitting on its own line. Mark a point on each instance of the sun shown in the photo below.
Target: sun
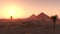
{"x": 12, "y": 13}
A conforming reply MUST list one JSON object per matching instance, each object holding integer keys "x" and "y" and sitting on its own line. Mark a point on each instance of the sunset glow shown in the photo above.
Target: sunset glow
{"x": 24, "y": 9}
{"x": 12, "y": 13}
{"x": 12, "y": 10}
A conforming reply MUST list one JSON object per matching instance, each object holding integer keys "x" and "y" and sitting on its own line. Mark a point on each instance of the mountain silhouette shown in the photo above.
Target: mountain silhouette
{"x": 32, "y": 16}
{"x": 42, "y": 15}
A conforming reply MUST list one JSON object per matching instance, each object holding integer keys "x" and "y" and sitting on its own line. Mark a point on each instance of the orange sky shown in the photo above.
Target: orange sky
{"x": 25, "y": 8}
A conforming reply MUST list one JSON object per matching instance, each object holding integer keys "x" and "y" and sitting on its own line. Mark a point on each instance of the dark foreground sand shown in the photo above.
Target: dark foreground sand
{"x": 29, "y": 30}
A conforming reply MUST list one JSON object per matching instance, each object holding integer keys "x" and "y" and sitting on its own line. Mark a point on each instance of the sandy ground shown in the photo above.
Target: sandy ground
{"x": 29, "y": 30}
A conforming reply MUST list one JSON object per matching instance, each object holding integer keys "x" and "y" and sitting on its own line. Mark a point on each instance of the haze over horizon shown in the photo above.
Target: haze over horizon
{"x": 25, "y": 8}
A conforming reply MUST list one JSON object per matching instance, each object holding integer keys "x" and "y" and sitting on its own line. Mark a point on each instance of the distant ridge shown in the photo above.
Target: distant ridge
{"x": 42, "y": 15}
{"x": 33, "y": 16}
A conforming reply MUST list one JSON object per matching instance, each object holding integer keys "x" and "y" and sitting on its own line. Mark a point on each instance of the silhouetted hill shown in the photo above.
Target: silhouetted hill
{"x": 42, "y": 15}
{"x": 33, "y": 16}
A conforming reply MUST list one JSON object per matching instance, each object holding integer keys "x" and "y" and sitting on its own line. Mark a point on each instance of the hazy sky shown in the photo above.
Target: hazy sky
{"x": 25, "y": 8}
